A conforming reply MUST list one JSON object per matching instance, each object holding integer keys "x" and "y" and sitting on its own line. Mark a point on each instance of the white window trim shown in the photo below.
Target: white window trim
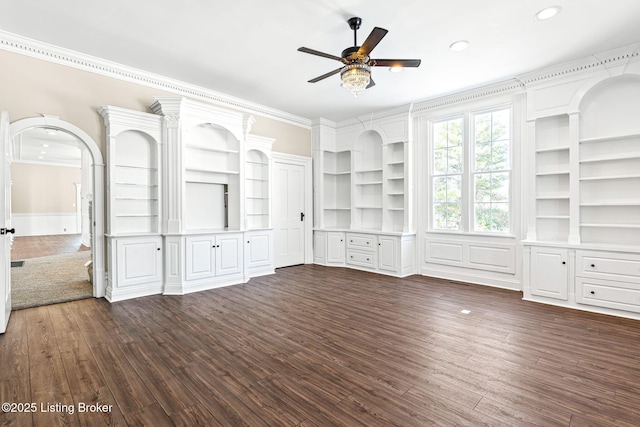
{"x": 468, "y": 173}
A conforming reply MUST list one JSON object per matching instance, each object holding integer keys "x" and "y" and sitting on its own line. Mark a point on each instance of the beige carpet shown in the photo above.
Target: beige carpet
{"x": 51, "y": 279}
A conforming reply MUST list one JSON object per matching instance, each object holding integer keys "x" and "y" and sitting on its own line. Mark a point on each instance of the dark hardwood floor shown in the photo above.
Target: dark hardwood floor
{"x": 316, "y": 346}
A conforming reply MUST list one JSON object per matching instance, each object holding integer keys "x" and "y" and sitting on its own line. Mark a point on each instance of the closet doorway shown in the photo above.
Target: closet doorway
{"x": 57, "y": 251}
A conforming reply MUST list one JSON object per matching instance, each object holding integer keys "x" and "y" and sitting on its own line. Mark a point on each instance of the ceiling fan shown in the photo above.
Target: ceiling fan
{"x": 356, "y": 71}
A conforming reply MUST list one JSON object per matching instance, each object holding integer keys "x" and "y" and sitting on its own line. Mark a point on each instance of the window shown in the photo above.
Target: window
{"x": 492, "y": 171}
{"x": 447, "y": 174}
{"x": 471, "y": 172}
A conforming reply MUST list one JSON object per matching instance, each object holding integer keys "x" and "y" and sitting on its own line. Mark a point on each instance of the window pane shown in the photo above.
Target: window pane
{"x": 440, "y": 135}
{"x": 440, "y": 216}
{"x": 500, "y": 187}
{"x": 500, "y": 155}
{"x": 500, "y": 217}
{"x": 483, "y": 128}
{"x": 455, "y": 160}
{"x": 482, "y": 184}
{"x": 440, "y": 161}
{"x": 440, "y": 189}
{"x": 454, "y": 188}
{"x": 455, "y": 132}
{"x": 482, "y": 217}
{"x": 454, "y": 216}
{"x": 483, "y": 156}
{"x": 500, "y": 125}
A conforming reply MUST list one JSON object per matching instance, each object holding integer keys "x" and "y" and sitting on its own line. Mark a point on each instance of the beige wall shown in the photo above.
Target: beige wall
{"x": 30, "y": 87}
{"x": 39, "y": 189}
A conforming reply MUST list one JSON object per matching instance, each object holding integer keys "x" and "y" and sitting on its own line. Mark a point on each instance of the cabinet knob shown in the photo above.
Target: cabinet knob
{"x": 247, "y": 241}
{"x": 593, "y": 266}
{"x": 367, "y": 259}
{"x": 157, "y": 249}
{"x": 593, "y": 292}
{"x": 564, "y": 262}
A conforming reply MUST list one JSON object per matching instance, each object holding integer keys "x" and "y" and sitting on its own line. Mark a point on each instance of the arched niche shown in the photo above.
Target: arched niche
{"x": 136, "y": 188}
{"x": 369, "y": 148}
{"x": 97, "y": 167}
{"x": 611, "y": 108}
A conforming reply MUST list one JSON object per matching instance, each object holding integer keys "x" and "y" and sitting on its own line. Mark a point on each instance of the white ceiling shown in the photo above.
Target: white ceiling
{"x": 248, "y": 48}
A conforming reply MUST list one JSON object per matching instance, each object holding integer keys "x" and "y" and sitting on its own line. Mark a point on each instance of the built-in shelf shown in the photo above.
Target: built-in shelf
{"x": 610, "y": 138}
{"x": 609, "y": 177}
{"x": 213, "y": 149}
{"x": 609, "y": 225}
{"x": 551, "y": 149}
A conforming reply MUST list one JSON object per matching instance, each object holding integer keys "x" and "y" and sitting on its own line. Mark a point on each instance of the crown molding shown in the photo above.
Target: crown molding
{"x": 597, "y": 62}
{"x": 504, "y": 88}
{"x": 18, "y": 44}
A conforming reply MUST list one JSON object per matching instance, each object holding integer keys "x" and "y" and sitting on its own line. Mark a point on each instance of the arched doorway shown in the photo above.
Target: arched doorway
{"x": 94, "y": 161}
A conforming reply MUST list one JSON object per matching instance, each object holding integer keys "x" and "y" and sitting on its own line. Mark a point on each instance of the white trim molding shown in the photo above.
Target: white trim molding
{"x": 40, "y": 50}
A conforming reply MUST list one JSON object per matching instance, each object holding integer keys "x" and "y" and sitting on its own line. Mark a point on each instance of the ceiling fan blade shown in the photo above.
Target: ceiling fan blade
{"x": 372, "y": 41}
{"x": 324, "y": 76}
{"x": 395, "y": 62}
{"x": 371, "y": 84}
{"x": 318, "y": 53}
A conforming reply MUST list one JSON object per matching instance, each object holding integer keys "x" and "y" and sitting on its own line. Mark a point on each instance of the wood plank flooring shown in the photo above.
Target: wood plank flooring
{"x": 317, "y": 346}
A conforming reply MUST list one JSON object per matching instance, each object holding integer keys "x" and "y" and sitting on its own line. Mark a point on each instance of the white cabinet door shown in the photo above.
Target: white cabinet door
{"x": 388, "y": 253}
{"x": 228, "y": 254}
{"x": 139, "y": 261}
{"x": 335, "y": 248}
{"x": 320, "y": 247}
{"x": 258, "y": 249}
{"x": 200, "y": 257}
{"x": 549, "y": 273}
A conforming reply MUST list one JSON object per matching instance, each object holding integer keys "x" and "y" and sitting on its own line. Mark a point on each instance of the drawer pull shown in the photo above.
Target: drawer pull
{"x": 367, "y": 259}
{"x": 564, "y": 262}
{"x": 593, "y": 292}
{"x": 593, "y": 266}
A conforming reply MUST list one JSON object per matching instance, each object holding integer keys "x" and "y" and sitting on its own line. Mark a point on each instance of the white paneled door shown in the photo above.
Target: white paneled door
{"x": 5, "y": 222}
{"x": 289, "y": 214}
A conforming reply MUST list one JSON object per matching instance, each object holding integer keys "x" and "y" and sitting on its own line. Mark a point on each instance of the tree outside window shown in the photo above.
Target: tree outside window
{"x": 492, "y": 171}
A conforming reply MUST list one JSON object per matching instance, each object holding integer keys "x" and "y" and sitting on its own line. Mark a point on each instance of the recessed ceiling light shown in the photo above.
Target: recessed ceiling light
{"x": 43, "y": 152}
{"x": 40, "y": 157}
{"x": 548, "y": 13}
{"x": 51, "y": 132}
{"x": 396, "y": 69}
{"x": 459, "y": 45}
{"x": 45, "y": 145}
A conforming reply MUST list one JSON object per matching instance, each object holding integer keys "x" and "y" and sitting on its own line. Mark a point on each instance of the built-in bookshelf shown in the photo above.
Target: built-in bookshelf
{"x": 336, "y": 176}
{"x": 610, "y": 189}
{"x": 552, "y": 169}
{"x": 257, "y": 190}
{"x": 134, "y": 192}
{"x": 368, "y": 183}
{"x": 394, "y": 189}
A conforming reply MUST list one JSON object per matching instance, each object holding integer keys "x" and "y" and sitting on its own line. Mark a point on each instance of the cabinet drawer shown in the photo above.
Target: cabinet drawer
{"x": 361, "y": 241}
{"x": 608, "y": 265}
{"x": 618, "y": 295}
{"x": 360, "y": 258}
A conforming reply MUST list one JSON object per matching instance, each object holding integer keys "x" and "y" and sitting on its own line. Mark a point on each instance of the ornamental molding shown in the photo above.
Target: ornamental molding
{"x": 505, "y": 88}
{"x": 598, "y": 62}
{"x": 44, "y": 51}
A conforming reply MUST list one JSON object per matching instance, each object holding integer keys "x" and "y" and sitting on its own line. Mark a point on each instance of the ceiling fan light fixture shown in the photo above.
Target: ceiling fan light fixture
{"x": 547, "y": 13}
{"x": 396, "y": 69}
{"x": 355, "y": 78}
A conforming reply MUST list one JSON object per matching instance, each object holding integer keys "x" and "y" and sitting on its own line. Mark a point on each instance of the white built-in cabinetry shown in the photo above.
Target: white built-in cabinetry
{"x": 362, "y": 194}
{"x": 134, "y": 242}
{"x": 582, "y": 248}
{"x": 189, "y": 199}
